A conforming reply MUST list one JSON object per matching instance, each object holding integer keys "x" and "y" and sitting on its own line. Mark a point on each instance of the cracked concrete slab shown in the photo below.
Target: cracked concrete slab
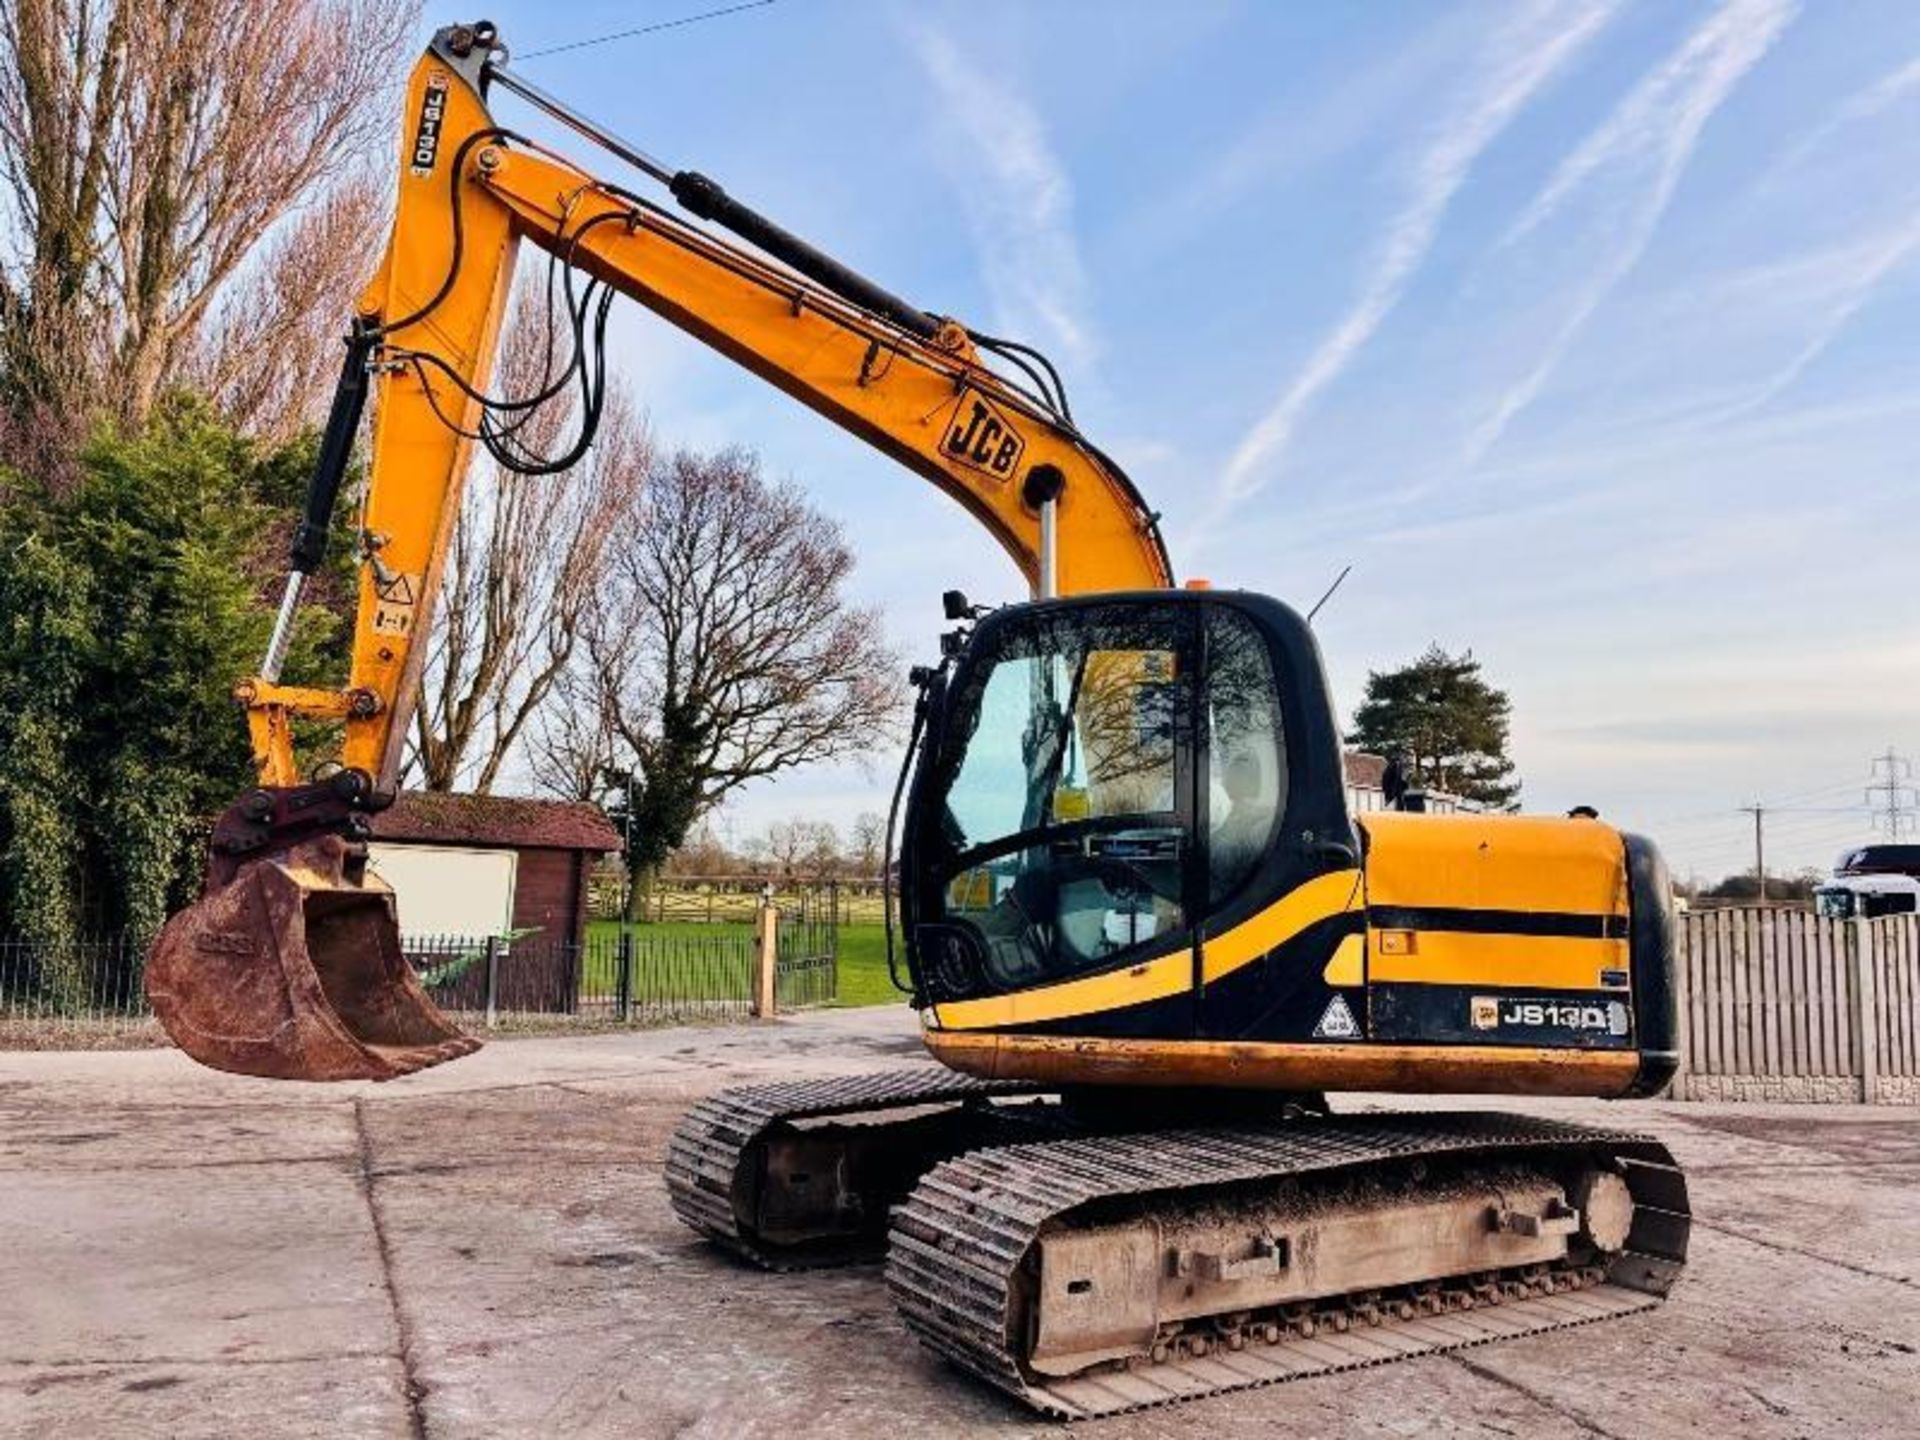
{"x": 243, "y": 1262}
{"x": 486, "y": 1249}
{"x": 321, "y": 1395}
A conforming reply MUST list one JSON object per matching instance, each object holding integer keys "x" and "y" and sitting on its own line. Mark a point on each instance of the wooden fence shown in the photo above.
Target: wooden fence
{"x": 734, "y": 899}
{"x": 1784, "y": 1005}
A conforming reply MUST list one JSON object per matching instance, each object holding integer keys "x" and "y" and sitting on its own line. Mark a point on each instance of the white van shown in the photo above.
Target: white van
{"x": 1867, "y": 897}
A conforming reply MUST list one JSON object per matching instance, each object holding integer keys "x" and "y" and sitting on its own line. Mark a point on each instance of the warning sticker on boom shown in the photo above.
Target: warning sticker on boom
{"x": 1337, "y": 1022}
{"x": 394, "y": 602}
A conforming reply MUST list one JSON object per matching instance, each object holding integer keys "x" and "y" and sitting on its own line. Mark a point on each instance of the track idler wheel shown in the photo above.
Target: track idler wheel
{"x": 288, "y": 968}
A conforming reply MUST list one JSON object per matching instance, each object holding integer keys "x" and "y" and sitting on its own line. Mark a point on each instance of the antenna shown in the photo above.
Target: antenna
{"x": 1329, "y": 595}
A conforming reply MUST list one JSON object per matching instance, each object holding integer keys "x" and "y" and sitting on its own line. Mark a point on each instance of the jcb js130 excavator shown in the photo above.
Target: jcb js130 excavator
{"x": 1138, "y": 917}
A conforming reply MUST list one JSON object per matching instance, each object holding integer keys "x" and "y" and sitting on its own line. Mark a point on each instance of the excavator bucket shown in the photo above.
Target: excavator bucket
{"x": 287, "y": 967}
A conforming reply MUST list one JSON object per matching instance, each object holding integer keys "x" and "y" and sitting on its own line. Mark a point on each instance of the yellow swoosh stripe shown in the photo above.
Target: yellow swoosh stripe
{"x": 1151, "y": 980}
{"x": 1170, "y": 974}
{"x": 1308, "y": 904}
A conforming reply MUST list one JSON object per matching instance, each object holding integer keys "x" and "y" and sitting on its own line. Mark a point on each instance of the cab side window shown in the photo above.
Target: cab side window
{"x": 1246, "y": 753}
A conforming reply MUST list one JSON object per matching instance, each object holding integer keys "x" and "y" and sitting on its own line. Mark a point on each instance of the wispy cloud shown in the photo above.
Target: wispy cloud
{"x": 1521, "y": 58}
{"x": 1646, "y": 142}
{"x": 1319, "y": 118}
{"x": 1018, "y": 201}
{"x": 1881, "y": 257}
{"x": 1863, "y": 104}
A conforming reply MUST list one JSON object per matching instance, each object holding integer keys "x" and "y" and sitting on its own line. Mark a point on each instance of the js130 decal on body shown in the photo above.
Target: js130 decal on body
{"x": 1492, "y": 1012}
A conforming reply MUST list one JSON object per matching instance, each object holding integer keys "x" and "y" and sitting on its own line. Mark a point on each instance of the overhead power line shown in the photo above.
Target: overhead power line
{"x": 646, "y": 29}
{"x": 1833, "y": 788}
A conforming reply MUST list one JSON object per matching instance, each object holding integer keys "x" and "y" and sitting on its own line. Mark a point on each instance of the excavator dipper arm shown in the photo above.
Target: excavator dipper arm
{"x": 240, "y": 979}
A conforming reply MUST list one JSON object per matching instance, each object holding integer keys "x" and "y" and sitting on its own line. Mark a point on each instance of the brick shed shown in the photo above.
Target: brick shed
{"x": 453, "y": 846}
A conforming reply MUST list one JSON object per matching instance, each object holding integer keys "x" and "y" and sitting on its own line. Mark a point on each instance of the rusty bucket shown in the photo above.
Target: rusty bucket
{"x": 289, "y": 966}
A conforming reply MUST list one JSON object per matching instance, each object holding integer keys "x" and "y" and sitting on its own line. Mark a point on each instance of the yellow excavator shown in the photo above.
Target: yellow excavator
{"x": 1143, "y": 933}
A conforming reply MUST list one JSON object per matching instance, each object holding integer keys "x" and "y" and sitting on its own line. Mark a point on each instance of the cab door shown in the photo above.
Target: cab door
{"x": 1051, "y": 848}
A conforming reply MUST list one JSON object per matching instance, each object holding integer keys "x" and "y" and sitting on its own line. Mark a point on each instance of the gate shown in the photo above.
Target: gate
{"x": 807, "y": 953}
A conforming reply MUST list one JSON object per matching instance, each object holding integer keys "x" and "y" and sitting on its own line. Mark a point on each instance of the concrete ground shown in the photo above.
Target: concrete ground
{"x": 486, "y": 1249}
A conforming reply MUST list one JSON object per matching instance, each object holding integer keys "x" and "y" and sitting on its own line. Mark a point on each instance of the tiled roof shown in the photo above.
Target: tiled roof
{"x": 1365, "y": 769}
{"x": 509, "y": 821}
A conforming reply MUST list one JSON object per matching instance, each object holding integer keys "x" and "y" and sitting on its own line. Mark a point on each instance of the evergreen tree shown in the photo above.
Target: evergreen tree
{"x": 1445, "y": 724}
{"x": 132, "y": 596}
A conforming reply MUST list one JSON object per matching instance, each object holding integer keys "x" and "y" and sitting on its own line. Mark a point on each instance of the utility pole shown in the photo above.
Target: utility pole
{"x": 1759, "y": 811}
{"x": 1891, "y": 795}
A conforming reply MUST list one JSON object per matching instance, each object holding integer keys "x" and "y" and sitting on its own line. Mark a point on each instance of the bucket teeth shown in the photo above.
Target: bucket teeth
{"x": 287, "y": 969}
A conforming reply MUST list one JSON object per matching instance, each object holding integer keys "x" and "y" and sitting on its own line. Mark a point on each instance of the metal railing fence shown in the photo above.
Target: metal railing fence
{"x": 807, "y": 972}
{"x": 89, "y": 993}
{"x": 76, "y": 994}
{"x": 632, "y": 978}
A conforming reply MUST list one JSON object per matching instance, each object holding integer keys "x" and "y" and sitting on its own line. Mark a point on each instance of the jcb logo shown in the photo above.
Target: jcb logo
{"x": 982, "y": 438}
{"x": 426, "y": 135}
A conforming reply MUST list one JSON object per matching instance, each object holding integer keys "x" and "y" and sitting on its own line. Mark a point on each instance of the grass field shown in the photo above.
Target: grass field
{"x": 711, "y": 955}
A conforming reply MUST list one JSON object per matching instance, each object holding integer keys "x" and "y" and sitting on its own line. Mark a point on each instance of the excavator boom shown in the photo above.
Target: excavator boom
{"x": 290, "y": 964}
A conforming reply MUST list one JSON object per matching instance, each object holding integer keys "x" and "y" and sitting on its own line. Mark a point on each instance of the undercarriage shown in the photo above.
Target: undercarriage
{"x": 1088, "y": 1268}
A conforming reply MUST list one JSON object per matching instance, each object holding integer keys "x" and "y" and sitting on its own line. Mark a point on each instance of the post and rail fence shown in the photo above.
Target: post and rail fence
{"x": 733, "y": 899}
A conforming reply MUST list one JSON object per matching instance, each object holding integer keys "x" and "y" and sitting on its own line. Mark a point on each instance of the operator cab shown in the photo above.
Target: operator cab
{"x": 1106, "y": 780}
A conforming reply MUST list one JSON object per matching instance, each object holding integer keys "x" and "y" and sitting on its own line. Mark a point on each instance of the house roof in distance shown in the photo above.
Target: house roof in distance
{"x": 1365, "y": 769}
{"x": 423, "y": 817}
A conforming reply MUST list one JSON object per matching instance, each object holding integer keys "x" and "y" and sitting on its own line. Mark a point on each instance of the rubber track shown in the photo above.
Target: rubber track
{"x": 960, "y": 1239}
{"x": 716, "y": 1135}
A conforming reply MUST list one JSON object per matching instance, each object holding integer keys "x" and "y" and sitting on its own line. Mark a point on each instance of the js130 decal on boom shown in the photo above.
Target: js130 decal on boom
{"x": 1138, "y": 920}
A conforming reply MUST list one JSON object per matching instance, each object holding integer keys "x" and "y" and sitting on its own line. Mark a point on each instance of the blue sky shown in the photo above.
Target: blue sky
{"x": 1582, "y": 329}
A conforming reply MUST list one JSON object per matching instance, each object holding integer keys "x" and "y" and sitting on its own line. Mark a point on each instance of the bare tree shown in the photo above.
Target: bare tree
{"x": 571, "y": 743}
{"x": 703, "y": 854}
{"x": 724, "y": 650}
{"x": 524, "y": 570}
{"x": 269, "y": 351}
{"x": 867, "y": 843}
{"x": 799, "y": 848}
{"x": 822, "y": 858}
{"x": 785, "y": 843}
{"x": 149, "y": 150}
